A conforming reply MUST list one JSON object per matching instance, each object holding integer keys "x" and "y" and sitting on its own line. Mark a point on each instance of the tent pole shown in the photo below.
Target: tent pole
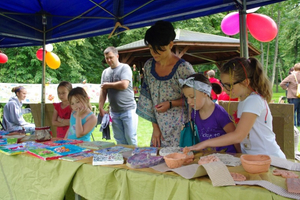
{"x": 44, "y": 21}
{"x": 243, "y": 31}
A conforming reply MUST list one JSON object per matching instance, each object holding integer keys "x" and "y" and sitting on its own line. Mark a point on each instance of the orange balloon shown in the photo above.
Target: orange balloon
{"x": 52, "y": 60}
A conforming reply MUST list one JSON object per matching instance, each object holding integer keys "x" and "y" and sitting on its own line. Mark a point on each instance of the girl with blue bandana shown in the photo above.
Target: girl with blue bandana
{"x": 211, "y": 119}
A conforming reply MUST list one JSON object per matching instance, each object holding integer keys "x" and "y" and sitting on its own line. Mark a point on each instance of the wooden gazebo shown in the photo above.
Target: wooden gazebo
{"x": 196, "y": 48}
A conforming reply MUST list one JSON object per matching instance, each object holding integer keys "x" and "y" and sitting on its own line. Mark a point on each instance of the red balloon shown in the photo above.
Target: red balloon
{"x": 261, "y": 27}
{"x": 39, "y": 54}
{"x": 3, "y": 58}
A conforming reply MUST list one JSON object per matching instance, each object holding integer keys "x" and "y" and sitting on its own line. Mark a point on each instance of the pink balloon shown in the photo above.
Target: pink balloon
{"x": 39, "y": 54}
{"x": 3, "y": 58}
{"x": 230, "y": 25}
{"x": 262, "y": 27}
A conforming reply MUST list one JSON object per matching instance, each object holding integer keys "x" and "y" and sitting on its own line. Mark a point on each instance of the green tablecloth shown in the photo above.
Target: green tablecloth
{"x": 107, "y": 183}
{"x": 26, "y": 177}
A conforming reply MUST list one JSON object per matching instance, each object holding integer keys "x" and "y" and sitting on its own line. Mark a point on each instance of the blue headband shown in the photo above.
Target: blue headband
{"x": 20, "y": 88}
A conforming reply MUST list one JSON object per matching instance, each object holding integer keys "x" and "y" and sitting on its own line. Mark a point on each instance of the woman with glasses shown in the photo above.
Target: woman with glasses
{"x": 244, "y": 79}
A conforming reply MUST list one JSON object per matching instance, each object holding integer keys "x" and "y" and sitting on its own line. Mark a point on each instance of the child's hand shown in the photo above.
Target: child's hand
{"x": 80, "y": 112}
{"x": 59, "y": 119}
{"x": 197, "y": 147}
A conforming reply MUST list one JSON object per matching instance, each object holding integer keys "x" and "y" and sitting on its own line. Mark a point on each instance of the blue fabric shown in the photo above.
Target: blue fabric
{"x": 72, "y": 129}
{"x": 296, "y": 102}
{"x": 21, "y": 21}
{"x": 124, "y": 126}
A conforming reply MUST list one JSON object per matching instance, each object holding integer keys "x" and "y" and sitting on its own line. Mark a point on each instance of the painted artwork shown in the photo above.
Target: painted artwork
{"x": 34, "y": 92}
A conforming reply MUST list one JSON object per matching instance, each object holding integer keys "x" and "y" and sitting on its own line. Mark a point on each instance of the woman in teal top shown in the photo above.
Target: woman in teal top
{"x": 82, "y": 121}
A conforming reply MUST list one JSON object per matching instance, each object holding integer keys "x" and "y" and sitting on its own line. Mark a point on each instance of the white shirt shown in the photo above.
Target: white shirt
{"x": 261, "y": 139}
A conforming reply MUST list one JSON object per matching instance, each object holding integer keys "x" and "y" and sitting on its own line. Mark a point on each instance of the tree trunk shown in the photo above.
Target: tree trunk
{"x": 267, "y": 58}
{"x": 276, "y": 50}
{"x": 262, "y": 55}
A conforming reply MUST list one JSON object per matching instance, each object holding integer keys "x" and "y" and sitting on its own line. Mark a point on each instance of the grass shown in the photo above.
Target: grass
{"x": 144, "y": 133}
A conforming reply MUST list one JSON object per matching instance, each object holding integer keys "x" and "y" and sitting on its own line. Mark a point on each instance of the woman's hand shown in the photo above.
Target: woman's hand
{"x": 162, "y": 107}
{"x": 156, "y": 136}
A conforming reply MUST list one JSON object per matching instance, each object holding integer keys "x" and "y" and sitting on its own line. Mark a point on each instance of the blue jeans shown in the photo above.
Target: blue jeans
{"x": 29, "y": 128}
{"x": 296, "y": 102}
{"x": 124, "y": 126}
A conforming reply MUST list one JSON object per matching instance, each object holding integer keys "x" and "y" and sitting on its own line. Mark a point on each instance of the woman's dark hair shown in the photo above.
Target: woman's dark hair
{"x": 200, "y": 77}
{"x": 160, "y": 34}
{"x": 241, "y": 68}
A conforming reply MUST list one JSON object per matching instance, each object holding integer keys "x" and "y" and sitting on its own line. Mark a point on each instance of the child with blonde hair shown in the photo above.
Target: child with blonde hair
{"x": 62, "y": 110}
{"x": 82, "y": 121}
{"x": 211, "y": 119}
{"x": 245, "y": 79}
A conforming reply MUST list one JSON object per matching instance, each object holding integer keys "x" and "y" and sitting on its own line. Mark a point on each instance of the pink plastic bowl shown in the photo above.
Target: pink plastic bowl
{"x": 175, "y": 160}
{"x": 255, "y": 163}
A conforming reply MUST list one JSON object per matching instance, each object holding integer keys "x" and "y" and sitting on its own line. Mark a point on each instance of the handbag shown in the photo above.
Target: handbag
{"x": 298, "y": 87}
{"x": 43, "y": 134}
{"x": 189, "y": 134}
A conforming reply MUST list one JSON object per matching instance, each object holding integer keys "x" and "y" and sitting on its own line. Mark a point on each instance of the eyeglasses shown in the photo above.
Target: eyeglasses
{"x": 228, "y": 86}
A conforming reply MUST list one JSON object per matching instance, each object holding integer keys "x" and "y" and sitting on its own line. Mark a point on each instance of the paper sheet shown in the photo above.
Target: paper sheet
{"x": 271, "y": 187}
{"x": 188, "y": 172}
{"x": 218, "y": 174}
{"x": 284, "y": 163}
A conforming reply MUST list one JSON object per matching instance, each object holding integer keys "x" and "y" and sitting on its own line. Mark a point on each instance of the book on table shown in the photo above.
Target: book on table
{"x": 143, "y": 160}
{"x": 67, "y": 149}
{"x": 108, "y": 159}
{"x": 44, "y": 154}
{"x": 12, "y": 149}
{"x": 59, "y": 142}
{"x": 77, "y": 156}
{"x": 114, "y": 149}
{"x": 96, "y": 145}
{"x": 150, "y": 150}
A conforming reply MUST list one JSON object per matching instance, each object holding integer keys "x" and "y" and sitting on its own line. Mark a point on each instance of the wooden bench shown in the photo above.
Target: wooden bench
{"x": 283, "y": 124}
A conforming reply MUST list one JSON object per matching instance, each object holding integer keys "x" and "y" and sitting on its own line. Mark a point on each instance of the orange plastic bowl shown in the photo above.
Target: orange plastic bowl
{"x": 255, "y": 163}
{"x": 175, "y": 160}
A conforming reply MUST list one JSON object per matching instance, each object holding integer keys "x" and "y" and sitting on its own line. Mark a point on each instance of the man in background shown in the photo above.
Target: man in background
{"x": 116, "y": 84}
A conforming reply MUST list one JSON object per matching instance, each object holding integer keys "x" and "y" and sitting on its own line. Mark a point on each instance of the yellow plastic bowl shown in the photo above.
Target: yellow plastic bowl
{"x": 255, "y": 163}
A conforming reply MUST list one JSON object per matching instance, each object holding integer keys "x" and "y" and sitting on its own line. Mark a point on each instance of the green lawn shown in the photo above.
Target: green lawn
{"x": 144, "y": 133}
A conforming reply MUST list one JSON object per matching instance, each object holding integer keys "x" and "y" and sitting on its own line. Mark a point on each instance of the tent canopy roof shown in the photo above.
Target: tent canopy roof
{"x": 21, "y": 22}
{"x": 195, "y": 47}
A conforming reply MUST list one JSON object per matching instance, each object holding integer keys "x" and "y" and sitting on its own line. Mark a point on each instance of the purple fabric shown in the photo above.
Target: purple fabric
{"x": 213, "y": 126}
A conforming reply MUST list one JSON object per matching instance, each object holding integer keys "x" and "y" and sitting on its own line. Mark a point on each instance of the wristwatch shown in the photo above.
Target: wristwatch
{"x": 170, "y": 104}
